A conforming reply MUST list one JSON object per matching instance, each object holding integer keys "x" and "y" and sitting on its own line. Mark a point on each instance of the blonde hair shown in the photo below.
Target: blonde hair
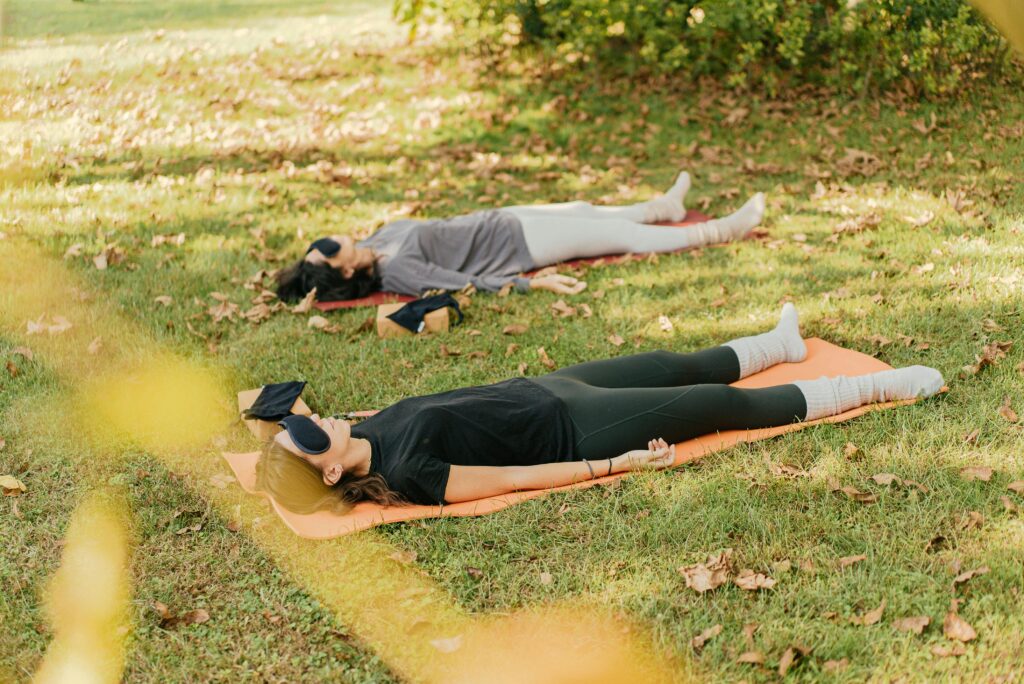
{"x": 298, "y": 485}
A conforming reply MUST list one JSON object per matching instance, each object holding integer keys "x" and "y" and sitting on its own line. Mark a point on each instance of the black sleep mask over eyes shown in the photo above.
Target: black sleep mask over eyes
{"x": 325, "y": 246}
{"x": 275, "y": 401}
{"x": 309, "y": 437}
{"x": 411, "y": 315}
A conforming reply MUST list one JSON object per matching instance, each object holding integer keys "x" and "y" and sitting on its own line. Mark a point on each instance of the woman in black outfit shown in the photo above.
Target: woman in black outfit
{"x": 574, "y": 424}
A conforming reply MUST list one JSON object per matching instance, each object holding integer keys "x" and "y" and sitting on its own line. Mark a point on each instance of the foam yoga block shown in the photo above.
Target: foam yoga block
{"x": 822, "y": 359}
{"x": 378, "y": 298}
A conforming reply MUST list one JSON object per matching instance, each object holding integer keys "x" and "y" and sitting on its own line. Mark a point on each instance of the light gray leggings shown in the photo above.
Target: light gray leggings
{"x": 573, "y": 230}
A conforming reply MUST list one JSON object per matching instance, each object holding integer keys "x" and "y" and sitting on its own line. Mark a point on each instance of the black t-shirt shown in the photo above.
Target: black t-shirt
{"x": 415, "y": 442}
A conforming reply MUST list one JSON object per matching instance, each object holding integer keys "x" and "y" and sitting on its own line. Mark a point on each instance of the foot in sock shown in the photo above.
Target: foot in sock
{"x": 832, "y": 396}
{"x": 669, "y": 207}
{"x": 782, "y": 344}
{"x": 735, "y": 226}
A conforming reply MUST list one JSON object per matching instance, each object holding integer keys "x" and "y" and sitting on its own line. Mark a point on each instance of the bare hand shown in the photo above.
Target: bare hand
{"x": 558, "y": 283}
{"x": 659, "y": 454}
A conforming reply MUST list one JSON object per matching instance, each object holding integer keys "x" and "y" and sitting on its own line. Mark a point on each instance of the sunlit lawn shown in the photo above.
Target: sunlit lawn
{"x": 251, "y": 128}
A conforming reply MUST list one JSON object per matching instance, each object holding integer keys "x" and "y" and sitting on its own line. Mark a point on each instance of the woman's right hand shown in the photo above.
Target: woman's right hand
{"x": 658, "y": 454}
{"x": 558, "y": 283}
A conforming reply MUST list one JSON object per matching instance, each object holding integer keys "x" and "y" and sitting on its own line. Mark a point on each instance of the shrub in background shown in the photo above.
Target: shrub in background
{"x": 932, "y": 47}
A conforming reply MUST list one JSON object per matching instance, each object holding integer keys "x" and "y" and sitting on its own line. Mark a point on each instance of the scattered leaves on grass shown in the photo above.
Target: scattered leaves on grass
{"x": 306, "y": 304}
{"x": 914, "y": 624}
{"x": 546, "y": 578}
{"x": 709, "y": 575}
{"x": 168, "y": 620}
{"x": 1006, "y": 412}
{"x": 969, "y": 575}
{"x": 665, "y": 323}
{"x": 1008, "y": 505}
{"x": 322, "y": 324}
{"x": 1017, "y": 486}
{"x": 698, "y": 641}
{"x": 973, "y": 520}
{"x": 223, "y": 310}
{"x": 11, "y": 485}
{"x": 562, "y": 310}
{"x": 545, "y": 359}
{"x": 789, "y": 656}
{"x": 514, "y": 329}
{"x": 976, "y": 473}
{"x": 850, "y": 450}
{"x": 857, "y": 224}
{"x": 957, "y": 629}
{"x": 57, "y": 326}
{"x": 871, "y": 617}
{"x": 752, "y": 581}
{"x": 221, "y": 480}
{"x": 991, "y": 354}
{"x": 24, "y": 352}
{"x": 855, "y": 494}
{"x": 164, "y": 300}
{"x": 615, "y": 340}
{"x": 885, "y": 479}
{"x": 847, "y": 561}
{"x": 447, "y": 351}
{"x": 858, "y": 162}
{"x": 96, "y": 346}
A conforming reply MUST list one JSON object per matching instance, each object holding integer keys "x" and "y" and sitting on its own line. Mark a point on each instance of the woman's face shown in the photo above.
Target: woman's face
{"x": 348, "y": 259}
{"x": 331, "y": 463}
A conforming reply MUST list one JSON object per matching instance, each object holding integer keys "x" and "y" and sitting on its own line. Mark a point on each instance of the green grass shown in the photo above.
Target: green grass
{"x": 119, "y": 141}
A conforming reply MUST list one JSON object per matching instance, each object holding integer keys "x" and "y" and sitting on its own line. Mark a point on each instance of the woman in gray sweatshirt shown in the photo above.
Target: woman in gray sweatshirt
{"x": 490, "y": 249}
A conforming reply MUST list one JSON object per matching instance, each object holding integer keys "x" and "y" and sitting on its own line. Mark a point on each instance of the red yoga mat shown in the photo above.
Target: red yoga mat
{"x": 378, "y": 298}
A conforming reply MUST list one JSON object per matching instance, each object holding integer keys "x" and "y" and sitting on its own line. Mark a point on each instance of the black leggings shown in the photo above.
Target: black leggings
{"x": 619, "y": 404}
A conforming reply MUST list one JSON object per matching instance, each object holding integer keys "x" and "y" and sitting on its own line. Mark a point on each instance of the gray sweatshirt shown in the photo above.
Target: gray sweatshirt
{"x": 485, "y": 248}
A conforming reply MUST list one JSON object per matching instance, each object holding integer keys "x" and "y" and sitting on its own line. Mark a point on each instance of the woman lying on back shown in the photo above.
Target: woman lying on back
{"x": 574, "y": 424}
{"x": 489, "y": 249}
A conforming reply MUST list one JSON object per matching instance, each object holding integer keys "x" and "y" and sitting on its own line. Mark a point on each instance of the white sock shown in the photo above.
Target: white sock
{"x": 781, "y": 345}
{"x": 668, "y": 207}
{"x": 735, "y": 226}
{"x": 832, "y": 396}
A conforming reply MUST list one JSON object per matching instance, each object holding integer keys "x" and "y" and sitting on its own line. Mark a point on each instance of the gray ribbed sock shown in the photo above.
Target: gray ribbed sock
{"x": 781, "y": 345}
{"x": 832, "y": 396}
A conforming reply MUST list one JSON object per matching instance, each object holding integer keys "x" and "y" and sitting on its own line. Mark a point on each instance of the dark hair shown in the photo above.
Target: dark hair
{"x": 299, "y": 486}
{"x": 297, "y": 280}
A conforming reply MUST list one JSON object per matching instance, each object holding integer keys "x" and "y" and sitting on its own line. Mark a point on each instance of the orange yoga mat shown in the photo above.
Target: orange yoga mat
{"x": 822, "y": 359}
{"x": 378, "y": 298}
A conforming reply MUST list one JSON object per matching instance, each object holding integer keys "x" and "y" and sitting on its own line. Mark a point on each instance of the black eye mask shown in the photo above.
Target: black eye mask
{"x": 309, "y": 437}
{"x": 325, "y": 246}
{"x": 275, "y": 401}
{"x": 411, "y": 315}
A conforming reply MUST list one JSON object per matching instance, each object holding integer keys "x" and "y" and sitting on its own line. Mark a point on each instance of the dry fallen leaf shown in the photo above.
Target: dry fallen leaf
{"x": 11, "y": 485}
{"x": 1017, "y": 486}
{"x": 957, "y": 629}
{"x": 615, "y": 340}
{"x": 709, "y": 575}
{"x": 912, "y": 624}
{"x": 871, "y": 617}
{"x": 221, "y": 480}
{"x": 976, "y": 473}
{"x": 545, "y": 359}
{"x": 850, "y": 450}
{"x": 885, "y": 479}
{"x": 970, "y": 574}
{"x": 835, "y": 665}
{"x": 306, "y": 304}
{"x": 751, "y": 658}
{"x": 95, "y": 346}
{"x": 972, "y": 521}
{"x": 752, "y": 581}
{"x": 847, "y": 561}
{"x": 514, "y": 329}
{"x": 23, "y": 351}
{"x": 665, "y": 323}
{"x": 698, "y": 641}
{"x": 562, "y": 310}
{"x": 164, "y": 300}
{"x": 990, "y": 355}
{"x": 546, "y": 578}
{"x": 1006, "y": 412}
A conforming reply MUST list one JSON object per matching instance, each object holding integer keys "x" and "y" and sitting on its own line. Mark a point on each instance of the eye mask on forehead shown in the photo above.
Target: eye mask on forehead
{"x": 325, "y": 246}
{"x": 275, "y": 401}
{"x": 307, "y": 435}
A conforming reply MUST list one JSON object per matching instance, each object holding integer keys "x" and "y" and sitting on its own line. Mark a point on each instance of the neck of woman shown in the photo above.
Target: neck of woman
{"x": 360, "y": 451}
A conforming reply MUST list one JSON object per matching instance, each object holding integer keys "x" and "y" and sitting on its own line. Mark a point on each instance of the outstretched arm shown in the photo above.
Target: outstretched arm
{"x": 468, "y": 483}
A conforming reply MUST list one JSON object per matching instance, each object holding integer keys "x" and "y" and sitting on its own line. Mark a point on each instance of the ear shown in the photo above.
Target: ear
{"x": 347, "y": 271}
{"x": 333, "y": 474}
